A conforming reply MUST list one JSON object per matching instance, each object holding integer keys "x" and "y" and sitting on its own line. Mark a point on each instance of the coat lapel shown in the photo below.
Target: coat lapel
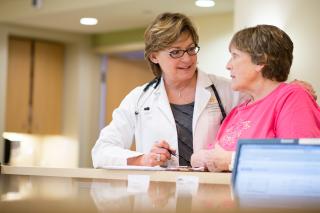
{"x": 202, "y": 97}
{"x": 163, "y": 103}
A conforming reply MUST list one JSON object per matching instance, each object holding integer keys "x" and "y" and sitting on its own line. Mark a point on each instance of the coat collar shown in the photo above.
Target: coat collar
{"x": 203, "y": 80}
{"x": 202, "y": 98}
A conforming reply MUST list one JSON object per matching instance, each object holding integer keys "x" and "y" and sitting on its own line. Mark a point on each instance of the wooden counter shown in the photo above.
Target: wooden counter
{"x": 36, "y": 189}
{"x": 163, "y": 176}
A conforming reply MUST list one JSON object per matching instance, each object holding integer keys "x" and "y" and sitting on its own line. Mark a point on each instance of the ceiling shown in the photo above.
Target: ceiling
{"x": 113, "y": 15}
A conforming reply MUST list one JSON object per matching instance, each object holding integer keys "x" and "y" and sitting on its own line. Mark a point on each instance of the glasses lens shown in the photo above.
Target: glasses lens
{"x": 193, "y": 50}
{"x": 180, "y": 53}
{"x": 176, "y": 53}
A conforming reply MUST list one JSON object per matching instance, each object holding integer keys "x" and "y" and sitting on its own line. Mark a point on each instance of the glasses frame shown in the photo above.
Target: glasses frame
{"x": 182, "y": 52}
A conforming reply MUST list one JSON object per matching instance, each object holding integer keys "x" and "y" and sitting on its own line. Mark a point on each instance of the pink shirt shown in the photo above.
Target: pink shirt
{"x": 287, "y": 112}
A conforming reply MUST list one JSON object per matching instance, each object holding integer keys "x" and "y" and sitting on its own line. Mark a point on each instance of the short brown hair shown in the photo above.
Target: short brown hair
{"x": 267, "y": 45}
{"x": 164, "y": 31}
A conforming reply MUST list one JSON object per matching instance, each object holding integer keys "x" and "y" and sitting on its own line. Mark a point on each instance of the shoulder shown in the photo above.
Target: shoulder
{"x": 219, "y": 80}
{"x": 208, "y": 79}
{"x": 294, "y": 96}
{"x": 229, "y": 97}
{"x": 134, "y": 94}
{"x": 137, "y": 90}
{"x": 293, "y": 90}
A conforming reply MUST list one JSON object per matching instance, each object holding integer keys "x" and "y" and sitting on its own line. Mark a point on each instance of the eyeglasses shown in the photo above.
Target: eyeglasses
{"x": 179, "y": 53}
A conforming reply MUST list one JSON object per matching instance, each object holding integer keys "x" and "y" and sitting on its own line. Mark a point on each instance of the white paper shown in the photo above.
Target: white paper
{"x": 144, "y": 168}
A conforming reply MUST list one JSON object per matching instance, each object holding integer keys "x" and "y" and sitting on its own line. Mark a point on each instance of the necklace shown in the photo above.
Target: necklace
{"x": 177, "y": 92}
{"x": 183, "y": 88}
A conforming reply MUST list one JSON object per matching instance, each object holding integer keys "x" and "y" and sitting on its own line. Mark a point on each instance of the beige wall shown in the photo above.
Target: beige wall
{"x": 215, "y": 32}
{"x": 3, "y": 77}
{"x": 80, "y": 98}
{"x": 88, "y": 96}
{"x": 300, "y": 19}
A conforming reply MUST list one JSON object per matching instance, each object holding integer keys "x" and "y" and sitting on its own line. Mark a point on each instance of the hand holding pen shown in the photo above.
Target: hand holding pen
{"x": 164, "y": 145}
{"x": 163, "y": 151}
{"x": 159, "y": 154}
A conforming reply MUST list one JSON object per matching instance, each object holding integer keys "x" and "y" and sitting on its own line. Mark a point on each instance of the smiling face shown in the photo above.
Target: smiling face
{"x": 244, "y": 73}
{"x": 176, "y": 69}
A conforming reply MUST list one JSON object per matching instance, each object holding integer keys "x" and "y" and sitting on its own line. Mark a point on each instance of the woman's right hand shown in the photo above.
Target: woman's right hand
{"x": 158, "y": 155}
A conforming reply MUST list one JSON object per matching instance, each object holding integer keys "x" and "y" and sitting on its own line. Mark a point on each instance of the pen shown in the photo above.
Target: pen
{"x": 172, "y": 153}
{"x": 177, "y": 156}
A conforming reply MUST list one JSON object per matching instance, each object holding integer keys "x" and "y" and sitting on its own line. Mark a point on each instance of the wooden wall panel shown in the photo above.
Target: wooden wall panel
{"x": 123, "y": 75}
{"x": 18, "y": 86}
{"x": 47, "y": 87}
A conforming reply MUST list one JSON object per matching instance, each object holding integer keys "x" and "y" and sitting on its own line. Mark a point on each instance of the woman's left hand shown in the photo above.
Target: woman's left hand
{"x": 215, "y": 160}
{"x": 200, "y": 158}
{"x": 220, "y": 159}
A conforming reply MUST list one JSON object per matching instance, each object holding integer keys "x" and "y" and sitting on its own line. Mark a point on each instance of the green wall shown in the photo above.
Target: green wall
{"x": 118, "y": 37}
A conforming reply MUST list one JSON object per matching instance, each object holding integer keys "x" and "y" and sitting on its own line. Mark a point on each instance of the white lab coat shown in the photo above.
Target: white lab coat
{"x": 155, "y": 121}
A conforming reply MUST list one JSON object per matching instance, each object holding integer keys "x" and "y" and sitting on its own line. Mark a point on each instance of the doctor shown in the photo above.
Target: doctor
{"x": 174, "y": 115}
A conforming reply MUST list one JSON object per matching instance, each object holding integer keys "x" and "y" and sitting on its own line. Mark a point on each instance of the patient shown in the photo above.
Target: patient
{"x": 260, "y": 62}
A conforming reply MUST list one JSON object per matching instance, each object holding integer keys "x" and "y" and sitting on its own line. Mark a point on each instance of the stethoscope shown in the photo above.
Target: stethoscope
{"x": 156, "y": 81}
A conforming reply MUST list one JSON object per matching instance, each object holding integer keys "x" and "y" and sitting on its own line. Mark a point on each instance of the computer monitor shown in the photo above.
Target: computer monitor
{"x": 275, "y": 173}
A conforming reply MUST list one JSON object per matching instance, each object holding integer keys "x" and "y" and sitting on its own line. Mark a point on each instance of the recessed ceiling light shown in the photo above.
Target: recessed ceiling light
{"x": 205, "y": 3}
{"x": 37, "y": 4}
{"x": 88, "y": 21}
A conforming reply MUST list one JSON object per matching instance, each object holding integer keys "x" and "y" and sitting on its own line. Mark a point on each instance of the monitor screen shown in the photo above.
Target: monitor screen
{"x": 277, "y": 174}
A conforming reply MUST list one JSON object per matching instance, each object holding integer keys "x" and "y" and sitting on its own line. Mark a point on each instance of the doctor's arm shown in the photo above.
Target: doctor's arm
{"x": 113, "y": 145}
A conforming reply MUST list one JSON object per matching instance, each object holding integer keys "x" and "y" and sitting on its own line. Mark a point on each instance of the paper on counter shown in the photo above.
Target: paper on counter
{"x": 144, "y": 168}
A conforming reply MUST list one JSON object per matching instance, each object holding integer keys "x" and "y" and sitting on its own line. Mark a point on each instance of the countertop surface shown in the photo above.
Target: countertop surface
{"x": 45, "y": 190}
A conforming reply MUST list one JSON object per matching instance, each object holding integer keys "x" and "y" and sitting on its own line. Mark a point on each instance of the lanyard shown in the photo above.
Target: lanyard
{"x": 223, "y": 112}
